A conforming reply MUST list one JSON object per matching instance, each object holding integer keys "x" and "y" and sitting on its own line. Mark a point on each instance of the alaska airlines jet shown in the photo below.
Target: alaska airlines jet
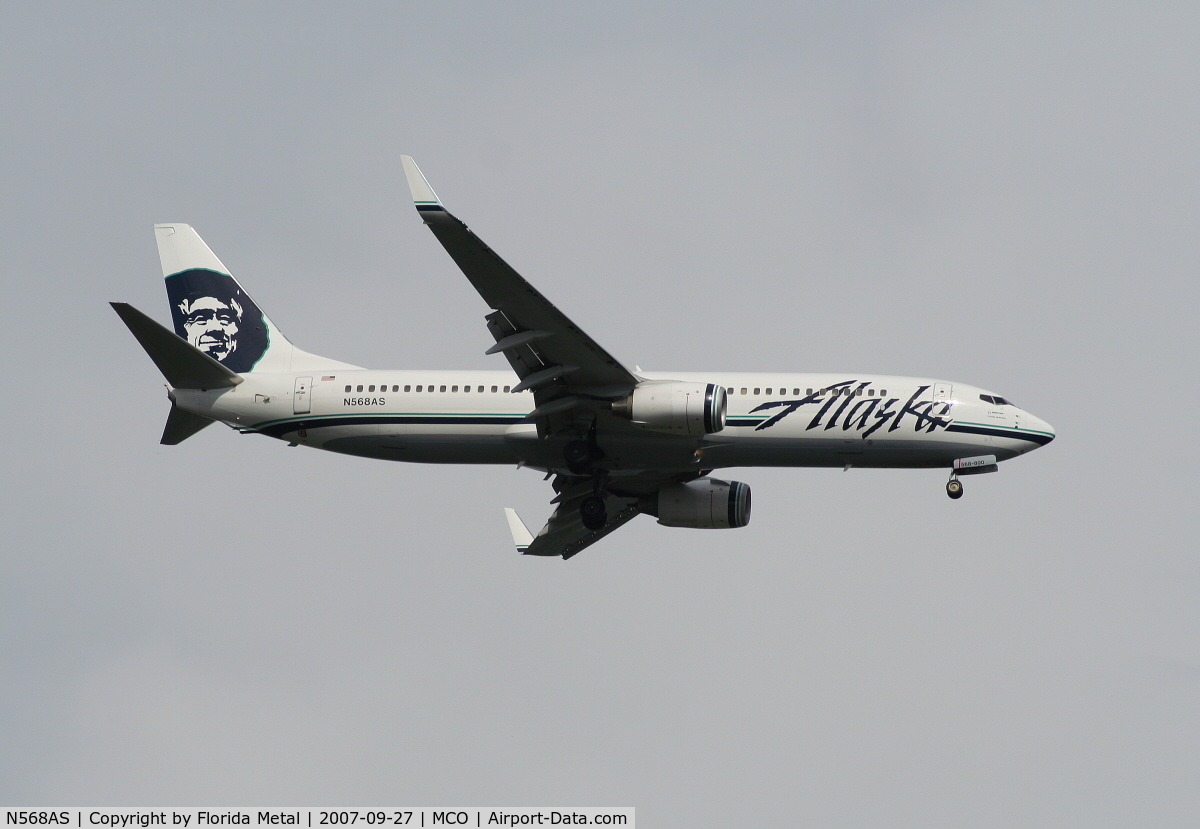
{"x": 616, "y": 442}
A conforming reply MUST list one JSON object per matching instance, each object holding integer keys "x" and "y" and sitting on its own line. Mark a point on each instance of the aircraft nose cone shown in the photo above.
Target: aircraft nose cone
{"x": 1041, "y": 427}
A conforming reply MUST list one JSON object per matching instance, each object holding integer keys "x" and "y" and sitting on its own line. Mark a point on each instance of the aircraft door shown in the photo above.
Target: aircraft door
{"x": 943, "y": 393}
{"x": 300, "y": 404}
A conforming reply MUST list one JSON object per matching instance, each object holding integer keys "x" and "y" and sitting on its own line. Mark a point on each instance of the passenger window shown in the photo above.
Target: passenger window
{"x": 883, "y": 392}
{"x": 795, "y": 392}
{"x": 809, "y": 391}
{"x": 757, "y": 392}
{"x": 870, "y": 392}
{"x": 370, "y": 388}
{"x": 743, "y": 391}
{"x": 493, "y": 389}
{"x": 506, "y": 389}
{"x": 360, "y": 388}
{"x": 452, "y": 388}
{"x": 729, "y": 390}
{"x": 444, "y": 388}
{"x": 420, "y": 388}
{"x": 408, "y": 388}
{"x": 347, "y": 389}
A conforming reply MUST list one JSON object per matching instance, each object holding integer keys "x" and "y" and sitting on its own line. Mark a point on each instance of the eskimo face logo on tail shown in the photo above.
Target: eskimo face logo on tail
{"x": 212, "y": 313}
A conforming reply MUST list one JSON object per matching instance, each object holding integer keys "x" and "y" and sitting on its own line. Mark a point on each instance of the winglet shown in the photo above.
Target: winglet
{"x": 520, "y": 533}
{"x": 423, "y": 196}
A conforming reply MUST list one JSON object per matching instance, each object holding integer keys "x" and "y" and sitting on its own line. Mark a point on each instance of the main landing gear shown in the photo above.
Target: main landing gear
{"x": 954, "y": 487}
{"x": 582, "y": 453}
{"x": 592, "y": 512}
{"x": 579, "y": 454}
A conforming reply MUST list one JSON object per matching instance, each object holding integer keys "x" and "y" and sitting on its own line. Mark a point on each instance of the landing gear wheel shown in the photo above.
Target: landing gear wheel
{"x": 592, "y": 512}
{"x": 578, "y": 455}
{"x": 954, "y": 488}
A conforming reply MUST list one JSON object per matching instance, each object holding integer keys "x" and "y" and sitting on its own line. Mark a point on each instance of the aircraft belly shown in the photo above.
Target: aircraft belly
{"x": 430, "y": 448}
{"x": 883, "y": 454}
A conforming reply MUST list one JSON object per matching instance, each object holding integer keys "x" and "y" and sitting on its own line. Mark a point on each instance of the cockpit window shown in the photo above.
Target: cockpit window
{"x": 996, "y": 401}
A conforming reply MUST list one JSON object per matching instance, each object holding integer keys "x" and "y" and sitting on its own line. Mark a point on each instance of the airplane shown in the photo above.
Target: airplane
{"x": 617, "y": 442}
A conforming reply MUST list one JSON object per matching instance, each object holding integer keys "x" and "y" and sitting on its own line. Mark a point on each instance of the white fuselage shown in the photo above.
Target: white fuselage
{"x": 847, "y": 419}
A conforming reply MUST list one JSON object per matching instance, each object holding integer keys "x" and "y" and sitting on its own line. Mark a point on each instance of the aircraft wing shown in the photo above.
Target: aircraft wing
{"x": 572, "y": 379}
{"x": 550, "y": 354}
{"x": 564, "y": 534}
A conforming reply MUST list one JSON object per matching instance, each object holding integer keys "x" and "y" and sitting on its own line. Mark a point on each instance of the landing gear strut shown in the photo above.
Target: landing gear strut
{"x": 954, "y": 487}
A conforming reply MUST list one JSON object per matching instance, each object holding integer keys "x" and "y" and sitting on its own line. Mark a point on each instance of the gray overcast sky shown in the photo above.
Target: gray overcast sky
{"x": 999, "y": 194}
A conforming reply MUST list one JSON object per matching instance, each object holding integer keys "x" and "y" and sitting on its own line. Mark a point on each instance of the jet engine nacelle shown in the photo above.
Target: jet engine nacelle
{"x": 675, "y": 406}
{"x": 705, "y": 504}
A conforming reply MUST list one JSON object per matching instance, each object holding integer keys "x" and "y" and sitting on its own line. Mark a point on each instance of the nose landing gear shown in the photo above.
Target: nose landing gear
{"x": 954, "y": 487}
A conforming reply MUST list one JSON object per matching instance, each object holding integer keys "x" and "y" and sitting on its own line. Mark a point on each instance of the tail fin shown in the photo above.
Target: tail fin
{"x": 212, "y": 312}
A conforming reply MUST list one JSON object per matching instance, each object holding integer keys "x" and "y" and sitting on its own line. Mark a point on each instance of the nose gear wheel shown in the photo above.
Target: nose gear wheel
{"x": 954, "y": 487}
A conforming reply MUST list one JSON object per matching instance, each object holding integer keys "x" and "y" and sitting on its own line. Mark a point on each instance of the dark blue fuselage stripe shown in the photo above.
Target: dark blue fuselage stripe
{"x": 1032, "y": 437}
{"x": 277, "y": 429}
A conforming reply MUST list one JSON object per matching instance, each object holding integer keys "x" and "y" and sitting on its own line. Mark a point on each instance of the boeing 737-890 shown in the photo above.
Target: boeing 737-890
{"x": 617, "y": 442}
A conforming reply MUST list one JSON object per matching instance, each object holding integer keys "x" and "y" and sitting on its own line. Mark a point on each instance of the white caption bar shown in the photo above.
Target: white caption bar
{"x": 408, "y": 816}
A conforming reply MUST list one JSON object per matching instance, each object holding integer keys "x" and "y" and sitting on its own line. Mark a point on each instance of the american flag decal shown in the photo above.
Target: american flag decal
{"x": 329, "y": 377}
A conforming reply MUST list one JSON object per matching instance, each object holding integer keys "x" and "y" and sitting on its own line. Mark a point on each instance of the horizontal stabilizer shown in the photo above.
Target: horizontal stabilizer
{"x": 521, "y": 536}
{"x": 181, "y": 425}
{"x": 184, "y": 365}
